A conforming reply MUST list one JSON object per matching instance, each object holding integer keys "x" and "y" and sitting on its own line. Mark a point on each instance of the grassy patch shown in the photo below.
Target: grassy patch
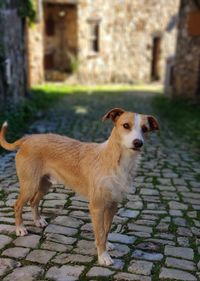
{"x": 197, "y": 176}
{"x": 20, "y": 116}
{"x": 173, "y": 228}
{"x": 182, "y": 118}
{"x": 2, "y": 194}
{"x": 156, "y": 271}
{"x": 79, "y": 97}
{"x": 72, "y": 89}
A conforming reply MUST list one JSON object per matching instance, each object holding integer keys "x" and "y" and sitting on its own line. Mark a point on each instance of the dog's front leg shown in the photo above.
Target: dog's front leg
{"x": 109, "y": 213}
{"x": 97, "y": 215}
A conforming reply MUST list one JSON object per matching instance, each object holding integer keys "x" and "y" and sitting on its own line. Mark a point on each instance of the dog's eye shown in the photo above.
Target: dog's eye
{"x": 126, "y": 126}
{"x": 144, "y": 129}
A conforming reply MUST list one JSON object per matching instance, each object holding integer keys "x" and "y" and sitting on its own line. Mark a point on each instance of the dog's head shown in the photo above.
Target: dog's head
{"x": 132, "y": 127}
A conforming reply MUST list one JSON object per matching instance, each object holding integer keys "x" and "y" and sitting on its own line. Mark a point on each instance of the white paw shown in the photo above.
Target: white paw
{"x": 41, "y": 222}
{"x": 21, "y": 230}
{"x": 110, "y": 246}
{"x": 105, "y": 259}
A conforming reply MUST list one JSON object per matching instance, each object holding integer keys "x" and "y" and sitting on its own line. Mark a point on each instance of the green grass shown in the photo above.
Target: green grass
{"x": 2, "y": 194}
{"x": 42, "y": 97}
{"x": 182, "y": 117}
{"x": 20, "y": 116}
{"x": 73, "y": 89}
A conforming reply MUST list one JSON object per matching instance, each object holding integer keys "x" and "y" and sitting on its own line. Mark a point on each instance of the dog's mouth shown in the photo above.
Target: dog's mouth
{"x": 136, "y": 149}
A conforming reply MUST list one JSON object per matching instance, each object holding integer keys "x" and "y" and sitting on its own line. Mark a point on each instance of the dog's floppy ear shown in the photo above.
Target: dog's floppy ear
{"x": 113, "y": 114}
{"x": 153, "y": 123}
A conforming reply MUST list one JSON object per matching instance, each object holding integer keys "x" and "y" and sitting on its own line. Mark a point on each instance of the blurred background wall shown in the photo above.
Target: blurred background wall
{"x": 84, "y": 41}
{"x": 123, "y": 41}
{"x": 186, "y": 76}
{"x": 13, "y": 78}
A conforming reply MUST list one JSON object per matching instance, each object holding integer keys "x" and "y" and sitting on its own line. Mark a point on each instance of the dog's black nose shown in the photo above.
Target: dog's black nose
{"x": 137, "y": 143}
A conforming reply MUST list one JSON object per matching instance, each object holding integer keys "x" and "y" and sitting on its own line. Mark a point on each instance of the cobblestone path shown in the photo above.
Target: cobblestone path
{"x": 156, "y": 230}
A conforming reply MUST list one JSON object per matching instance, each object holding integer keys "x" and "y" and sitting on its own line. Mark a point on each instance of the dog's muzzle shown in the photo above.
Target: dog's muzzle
{"x": 137, "y": 144}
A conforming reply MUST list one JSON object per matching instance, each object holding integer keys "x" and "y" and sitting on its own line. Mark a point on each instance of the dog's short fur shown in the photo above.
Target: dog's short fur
{"x": 101, "y": 172}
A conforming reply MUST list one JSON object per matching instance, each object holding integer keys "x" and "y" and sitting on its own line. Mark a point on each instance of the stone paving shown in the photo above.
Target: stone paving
{"x": 156, "y": 231}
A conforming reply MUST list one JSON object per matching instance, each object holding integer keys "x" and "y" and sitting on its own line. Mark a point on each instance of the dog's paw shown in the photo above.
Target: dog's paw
{"x": 21, "y": 230}
{"x": 110, "y": 246}
{"x": 105, "y": 259}
{"x": 41, "y": 222}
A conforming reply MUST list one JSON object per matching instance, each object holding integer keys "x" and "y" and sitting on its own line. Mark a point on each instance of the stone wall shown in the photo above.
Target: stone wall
{"x": 127, "y": 29}
{"x": 35, "y": 47}
{"x": 12, "y": 54}
{"x": 186, "y": 81}
{"x": 126, "y": 32}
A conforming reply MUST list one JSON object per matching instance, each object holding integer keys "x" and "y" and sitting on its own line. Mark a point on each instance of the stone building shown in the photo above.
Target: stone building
{"x": 102, "y": 41}
{"x": 186, "y": 74}
{"x": 12, "y": 52}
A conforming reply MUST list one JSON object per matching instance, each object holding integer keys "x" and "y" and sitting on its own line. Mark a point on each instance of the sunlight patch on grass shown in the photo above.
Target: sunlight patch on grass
{"x": 81, "y": 109}
{"x": 89, "y": 89}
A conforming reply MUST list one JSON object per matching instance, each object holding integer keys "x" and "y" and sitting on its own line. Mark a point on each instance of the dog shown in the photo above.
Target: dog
{"x": 100, "y": 171}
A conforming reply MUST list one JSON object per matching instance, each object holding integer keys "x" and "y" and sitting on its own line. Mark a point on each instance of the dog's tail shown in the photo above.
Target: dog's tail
{"x": 9, "y": 146}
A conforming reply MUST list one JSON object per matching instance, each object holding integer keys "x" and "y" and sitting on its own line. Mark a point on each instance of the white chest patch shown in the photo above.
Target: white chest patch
{"x": 119, "y": 182}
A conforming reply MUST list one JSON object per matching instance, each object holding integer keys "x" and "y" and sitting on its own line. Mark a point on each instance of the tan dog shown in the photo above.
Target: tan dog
{"x": 101, "y": 172}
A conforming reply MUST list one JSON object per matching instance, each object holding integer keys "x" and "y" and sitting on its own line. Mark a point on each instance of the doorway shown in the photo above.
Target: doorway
{"x": 60, "y": 39}
{"x": 156, "y": 51}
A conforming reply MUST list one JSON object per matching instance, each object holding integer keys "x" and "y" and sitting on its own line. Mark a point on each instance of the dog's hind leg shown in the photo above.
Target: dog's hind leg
{"x": 35, "y": 201}
{"x": 38, "y": 220}
{"x": 29, "y": 174}
{"x": 21, "y": 201}
{"x": 97, "y": 215}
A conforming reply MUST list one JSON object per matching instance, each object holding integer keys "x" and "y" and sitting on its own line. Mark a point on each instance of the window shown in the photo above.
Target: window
{"x": 49, "y": 27}
{"x": 94, "y": 36}
{"x": 156, "y": 50}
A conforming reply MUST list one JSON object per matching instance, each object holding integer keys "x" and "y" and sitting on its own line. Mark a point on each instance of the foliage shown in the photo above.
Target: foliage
{"x": 182, "y": 116}
{"x": 28, "y": 10}
{"x": 2, "y": 3}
